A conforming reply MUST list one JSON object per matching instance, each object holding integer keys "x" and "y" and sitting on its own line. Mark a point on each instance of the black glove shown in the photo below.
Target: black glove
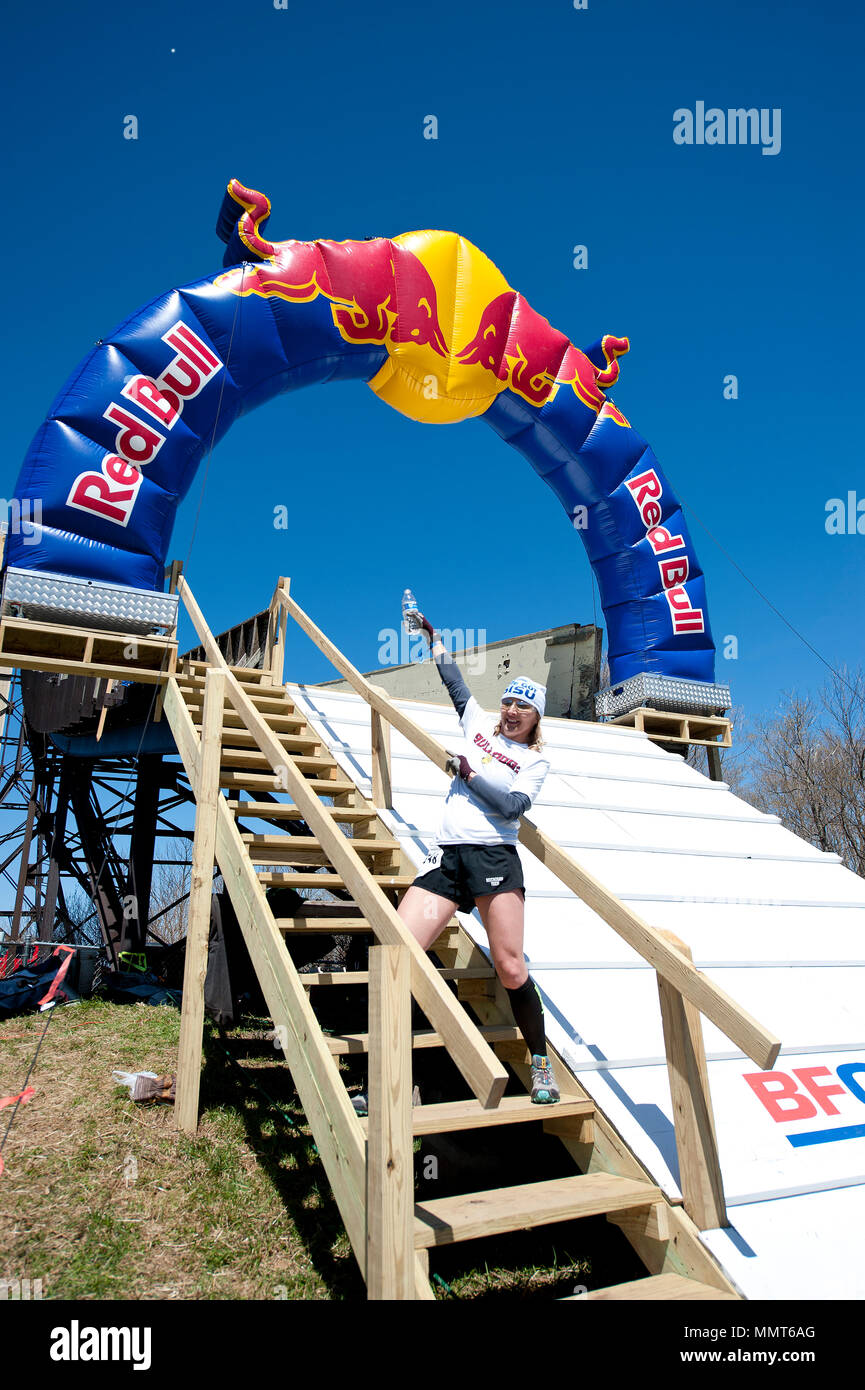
{"x": 460, "y": 767}
{"x": 427, "y": 627}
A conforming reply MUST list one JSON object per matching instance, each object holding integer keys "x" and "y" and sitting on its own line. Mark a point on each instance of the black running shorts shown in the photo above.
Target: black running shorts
{"x": 466, "y": 872}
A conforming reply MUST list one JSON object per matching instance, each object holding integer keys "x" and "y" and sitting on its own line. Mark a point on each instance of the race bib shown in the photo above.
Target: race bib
{"x": 432, "y": 861}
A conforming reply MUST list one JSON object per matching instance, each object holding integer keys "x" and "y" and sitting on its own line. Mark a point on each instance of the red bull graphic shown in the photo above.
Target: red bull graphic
{"x": 380, "y": 293}
{"x": 435, "y": 330}
{"x": 111, "y": 493}
{"x": 647, "y": 492}
{"x": 521, "y": 349}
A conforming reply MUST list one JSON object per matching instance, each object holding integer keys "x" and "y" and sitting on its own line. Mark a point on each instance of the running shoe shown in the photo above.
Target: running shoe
{"x": 544, "y": 1088}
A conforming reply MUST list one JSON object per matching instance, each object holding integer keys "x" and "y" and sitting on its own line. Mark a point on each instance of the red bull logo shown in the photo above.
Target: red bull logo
{"x": 379, "y": 292}
{"x": 647, "y": 491}
{"x": 401, "y": 292}
{"x": 534, "y": 359}
{"x": 111, "y": 493}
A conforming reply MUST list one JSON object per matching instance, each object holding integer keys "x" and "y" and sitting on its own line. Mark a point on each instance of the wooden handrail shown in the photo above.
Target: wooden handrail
{"x": 371, "y": 693}
{"x": 752, "y": 1037}
{"x": 482, "y": 1070}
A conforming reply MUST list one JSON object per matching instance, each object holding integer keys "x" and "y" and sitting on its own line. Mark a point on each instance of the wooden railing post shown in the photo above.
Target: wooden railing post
{"x": 382, "y": 787}
{"x": 172, "y": 574}
{"x": 390, "y": 1255}
{"x": 198, "y": 925}
{"x": 699, "y": 1168}
{"x": 276, "y": 625}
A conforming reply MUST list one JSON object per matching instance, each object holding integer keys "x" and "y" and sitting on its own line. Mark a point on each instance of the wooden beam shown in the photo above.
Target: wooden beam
{"x": 33, "y": 646}
{"x": 652, "y": 1223}
{"x": 342, "y": 1043}
{"x": 201, "y": 891}
{"x": 390, "y": 1271}
{"x": 657, "y": 1286}
{"x": 697, "y": 1147}
{"x": 448, "y": 1219}
{"x": 276, "y": 666}
{"x": 453, "y": 1115}
{"x": 382, "y": 784}
{"x": 104, "y": 711}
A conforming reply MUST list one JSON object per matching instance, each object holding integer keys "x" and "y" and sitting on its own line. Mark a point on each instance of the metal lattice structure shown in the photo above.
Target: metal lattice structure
{"x": 97, "y": 824}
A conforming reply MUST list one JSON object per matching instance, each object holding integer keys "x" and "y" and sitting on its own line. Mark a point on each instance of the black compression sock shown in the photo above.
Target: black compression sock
{"x": 529, "y": 1016}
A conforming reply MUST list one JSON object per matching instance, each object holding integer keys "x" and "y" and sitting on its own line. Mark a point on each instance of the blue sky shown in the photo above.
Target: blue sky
{"x": 555, "y": 128}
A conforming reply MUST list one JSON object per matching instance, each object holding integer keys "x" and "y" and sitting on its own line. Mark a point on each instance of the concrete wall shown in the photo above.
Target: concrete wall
{"x": 564, "y": 659}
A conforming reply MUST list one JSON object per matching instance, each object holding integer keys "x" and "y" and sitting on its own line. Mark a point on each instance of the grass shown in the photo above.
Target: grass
{"x": 103, "y": 1198}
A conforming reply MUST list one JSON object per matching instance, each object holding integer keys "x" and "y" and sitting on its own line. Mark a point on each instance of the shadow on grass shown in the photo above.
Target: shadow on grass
{"x": 276, "y": 1129}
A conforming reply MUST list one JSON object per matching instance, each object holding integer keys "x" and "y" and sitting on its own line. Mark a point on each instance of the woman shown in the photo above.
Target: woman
{"x": 475, "y": 863}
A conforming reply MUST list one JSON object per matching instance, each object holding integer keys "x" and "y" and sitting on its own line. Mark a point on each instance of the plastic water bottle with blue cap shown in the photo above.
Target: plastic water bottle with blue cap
{"x": 410, "y": 619}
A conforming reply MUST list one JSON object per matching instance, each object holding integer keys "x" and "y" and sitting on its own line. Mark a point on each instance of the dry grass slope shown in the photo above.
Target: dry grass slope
{"x": 103, "y": 1199}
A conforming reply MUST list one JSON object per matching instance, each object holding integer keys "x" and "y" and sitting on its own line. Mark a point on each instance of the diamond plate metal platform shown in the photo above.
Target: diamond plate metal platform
{"x": 59, "y": 598}
{"x": 663, "y": 692}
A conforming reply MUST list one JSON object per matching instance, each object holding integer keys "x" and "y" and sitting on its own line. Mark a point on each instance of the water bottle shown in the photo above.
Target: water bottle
{"x": 410, "y": 619}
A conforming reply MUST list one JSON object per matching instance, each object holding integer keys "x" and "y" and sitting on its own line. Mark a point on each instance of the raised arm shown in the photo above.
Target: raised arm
{"x": 451, "y": 675}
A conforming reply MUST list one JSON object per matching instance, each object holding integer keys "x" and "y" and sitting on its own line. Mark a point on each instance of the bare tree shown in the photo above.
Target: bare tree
{"x": 807, "y": 766}
{"x": 169, "y": 891}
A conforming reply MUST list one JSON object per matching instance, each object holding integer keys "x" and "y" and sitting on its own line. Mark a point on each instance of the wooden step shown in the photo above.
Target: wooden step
{"x": 268, "y": 700}
{"x": 361, "y": 977}
{"x": 232, "y": 720}
{"x": 448, "y": 1219}
{"x": 231, "y": 757}
{"x": 656, "y": 1286}
{"x": 247, "y": 672}
{"x": 305, "y": 849}
{"x": 263, "y": 782}
{"x": 331, "y": 881}
{"x": 268, "y": 706}
{"x": 341, "y": 1044}
{"x": 194, "y": 673}
{"x": 278, "y": 810}
{"x": 313, "y": 911}
{"x": 298, "y": 926}
{"x": 470, "y": 1114}
{"x": 195, "y": 681}
{"x": 237, "y": 738}
{"x": 332, "y": 918}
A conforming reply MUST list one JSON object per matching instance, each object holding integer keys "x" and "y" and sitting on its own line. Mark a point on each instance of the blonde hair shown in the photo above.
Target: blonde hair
{"x": 535, "y": 742}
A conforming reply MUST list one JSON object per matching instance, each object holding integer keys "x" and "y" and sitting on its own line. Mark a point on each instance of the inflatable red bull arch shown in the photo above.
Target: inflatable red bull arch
{"x": 436, "y": 331}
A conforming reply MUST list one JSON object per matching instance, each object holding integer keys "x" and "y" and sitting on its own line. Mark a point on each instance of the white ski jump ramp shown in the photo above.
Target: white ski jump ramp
{"x": 777, "y": 924}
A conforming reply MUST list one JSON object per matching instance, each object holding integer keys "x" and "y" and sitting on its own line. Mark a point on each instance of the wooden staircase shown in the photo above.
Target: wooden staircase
{"x": 244, "y": 744}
